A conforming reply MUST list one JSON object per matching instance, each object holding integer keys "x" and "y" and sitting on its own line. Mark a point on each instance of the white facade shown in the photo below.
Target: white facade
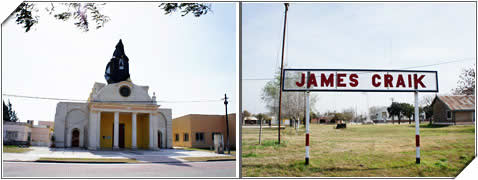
{"x": 106, "y": 98}
{"x": 16, "y": 131}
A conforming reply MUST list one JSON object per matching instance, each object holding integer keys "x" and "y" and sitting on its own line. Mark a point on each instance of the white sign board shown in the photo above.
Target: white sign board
{"x": 359, "y": 80}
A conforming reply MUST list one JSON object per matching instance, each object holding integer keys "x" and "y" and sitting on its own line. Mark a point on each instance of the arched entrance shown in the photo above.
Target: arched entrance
{"x": 160, "y": 136}
{"x": 75, "y": 138}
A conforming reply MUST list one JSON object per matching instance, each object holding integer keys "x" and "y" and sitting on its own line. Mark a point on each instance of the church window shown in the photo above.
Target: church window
{"x": 125, "y": 91}
{"x": 176, "y": 137}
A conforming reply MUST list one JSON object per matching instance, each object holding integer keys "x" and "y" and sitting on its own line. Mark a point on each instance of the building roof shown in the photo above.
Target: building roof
{"x": 250, "y": 118}
{"x": 203, "y": 115}
{"x": 16, "y": 123}
{"x": 458, "y": 103}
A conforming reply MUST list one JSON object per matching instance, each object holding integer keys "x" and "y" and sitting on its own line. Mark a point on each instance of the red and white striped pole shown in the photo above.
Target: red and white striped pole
{"x": 307, "y": 119}
{"x": 417, "y": 128}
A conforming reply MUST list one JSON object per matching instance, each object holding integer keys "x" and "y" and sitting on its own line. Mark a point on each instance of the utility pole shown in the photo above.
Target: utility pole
{"x": 282, "y": 68}
{"x": 227, "y": 125}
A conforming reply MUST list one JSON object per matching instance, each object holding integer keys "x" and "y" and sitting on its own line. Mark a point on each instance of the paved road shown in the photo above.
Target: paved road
{"x": 186, "y": 169}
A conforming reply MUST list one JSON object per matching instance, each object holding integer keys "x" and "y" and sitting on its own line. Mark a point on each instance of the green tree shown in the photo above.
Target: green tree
{"x": 408, "y": 110}
{"x": 8, "y": 113}
{"x": 395, "y": 109}
{"x": 466, "y": 83}
{"x": 27, "y": 13}
{"x": 197, "y": 9}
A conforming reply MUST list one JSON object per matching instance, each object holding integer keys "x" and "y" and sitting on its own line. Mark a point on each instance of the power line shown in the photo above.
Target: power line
{"x": 82, "y": 100}
{"x": 45, "y": 98}
{"x": 411, "y": 67}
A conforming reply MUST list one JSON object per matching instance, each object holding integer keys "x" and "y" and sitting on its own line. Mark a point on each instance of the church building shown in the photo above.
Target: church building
{"x": 117, "y": 115}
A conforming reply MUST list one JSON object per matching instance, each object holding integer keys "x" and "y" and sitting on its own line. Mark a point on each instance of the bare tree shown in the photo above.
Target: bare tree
{"x": 348, "y": 114}
{"x": 261, "y": 117}
{"x": 292, "y": 102}
{"x": 466, "y": 83}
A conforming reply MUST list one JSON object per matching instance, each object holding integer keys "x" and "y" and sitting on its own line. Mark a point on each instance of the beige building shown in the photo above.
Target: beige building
{"x": 16, "y": 133}
{"x": 197, "y": 130}
{"x": 453, "y": 110}
{"x": 48, "y": 124}
{"x": 41, "y": 134}
{"x": 28, "y": 133}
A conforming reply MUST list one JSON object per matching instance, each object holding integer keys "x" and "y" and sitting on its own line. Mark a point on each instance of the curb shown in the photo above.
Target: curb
{"x": 45, "y": 161}
{"x": 222, "y": 160}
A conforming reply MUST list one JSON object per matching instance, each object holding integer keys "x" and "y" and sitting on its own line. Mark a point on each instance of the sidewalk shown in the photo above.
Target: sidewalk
{"x": 163, "y": 155}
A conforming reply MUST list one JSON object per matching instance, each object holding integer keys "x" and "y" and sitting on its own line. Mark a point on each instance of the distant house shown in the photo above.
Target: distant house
{"x": 453, "y": 110}
{"x": 315, "y": 121}
{"x": 380, "y": 115}
{"x": 250, "y": 120}
{"x": 198, "y": 130}
{"x": 16, "y": 133}
{"x": 326, "y": 120}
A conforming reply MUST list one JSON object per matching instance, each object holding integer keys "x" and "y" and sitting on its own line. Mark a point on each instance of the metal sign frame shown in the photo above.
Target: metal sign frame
{"x": 308, "y": 90}
{"x": 361, "y": 90}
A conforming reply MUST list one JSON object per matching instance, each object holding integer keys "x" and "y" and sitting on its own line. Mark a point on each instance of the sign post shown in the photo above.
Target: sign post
{"x": 307, "y": 119}
{"x": 417, "y": 128}
{"x": 359, "y": 80}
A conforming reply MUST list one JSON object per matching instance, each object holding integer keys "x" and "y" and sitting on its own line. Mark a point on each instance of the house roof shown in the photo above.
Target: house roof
{"x": 458, "y": 103}
{"x": 250, "y": 118}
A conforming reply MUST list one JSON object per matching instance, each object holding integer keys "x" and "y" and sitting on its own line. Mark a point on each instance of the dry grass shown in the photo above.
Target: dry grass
{"x": 15, "y": 149}
{"x": 359, "y": 150}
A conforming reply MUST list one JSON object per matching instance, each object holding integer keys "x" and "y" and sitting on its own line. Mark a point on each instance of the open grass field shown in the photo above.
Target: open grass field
{"x": 359, "y": 150}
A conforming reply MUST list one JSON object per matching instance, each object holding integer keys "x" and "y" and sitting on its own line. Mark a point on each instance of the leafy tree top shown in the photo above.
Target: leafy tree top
{"x": 8, "y": 113}
{"x": 26, "y": 14}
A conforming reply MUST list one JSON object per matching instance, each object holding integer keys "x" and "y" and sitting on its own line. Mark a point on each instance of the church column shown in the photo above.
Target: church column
{"x": 151, "y": 134}
{"x": 116, "y": 131}
{"x": 98, "y": 131}
{"x": 92, "y": 131}
{"x": 134, "y": 131}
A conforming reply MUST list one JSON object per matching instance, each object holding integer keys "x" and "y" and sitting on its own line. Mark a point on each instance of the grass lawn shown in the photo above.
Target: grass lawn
{"x": 15, "y": 149}
{"x": 90, "y": 160}
{"x": 359, "y": 150}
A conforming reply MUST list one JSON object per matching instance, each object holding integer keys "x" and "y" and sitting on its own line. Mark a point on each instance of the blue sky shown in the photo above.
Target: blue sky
{"x": 354, "y": 36}
{"x": 180, "y": 58}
